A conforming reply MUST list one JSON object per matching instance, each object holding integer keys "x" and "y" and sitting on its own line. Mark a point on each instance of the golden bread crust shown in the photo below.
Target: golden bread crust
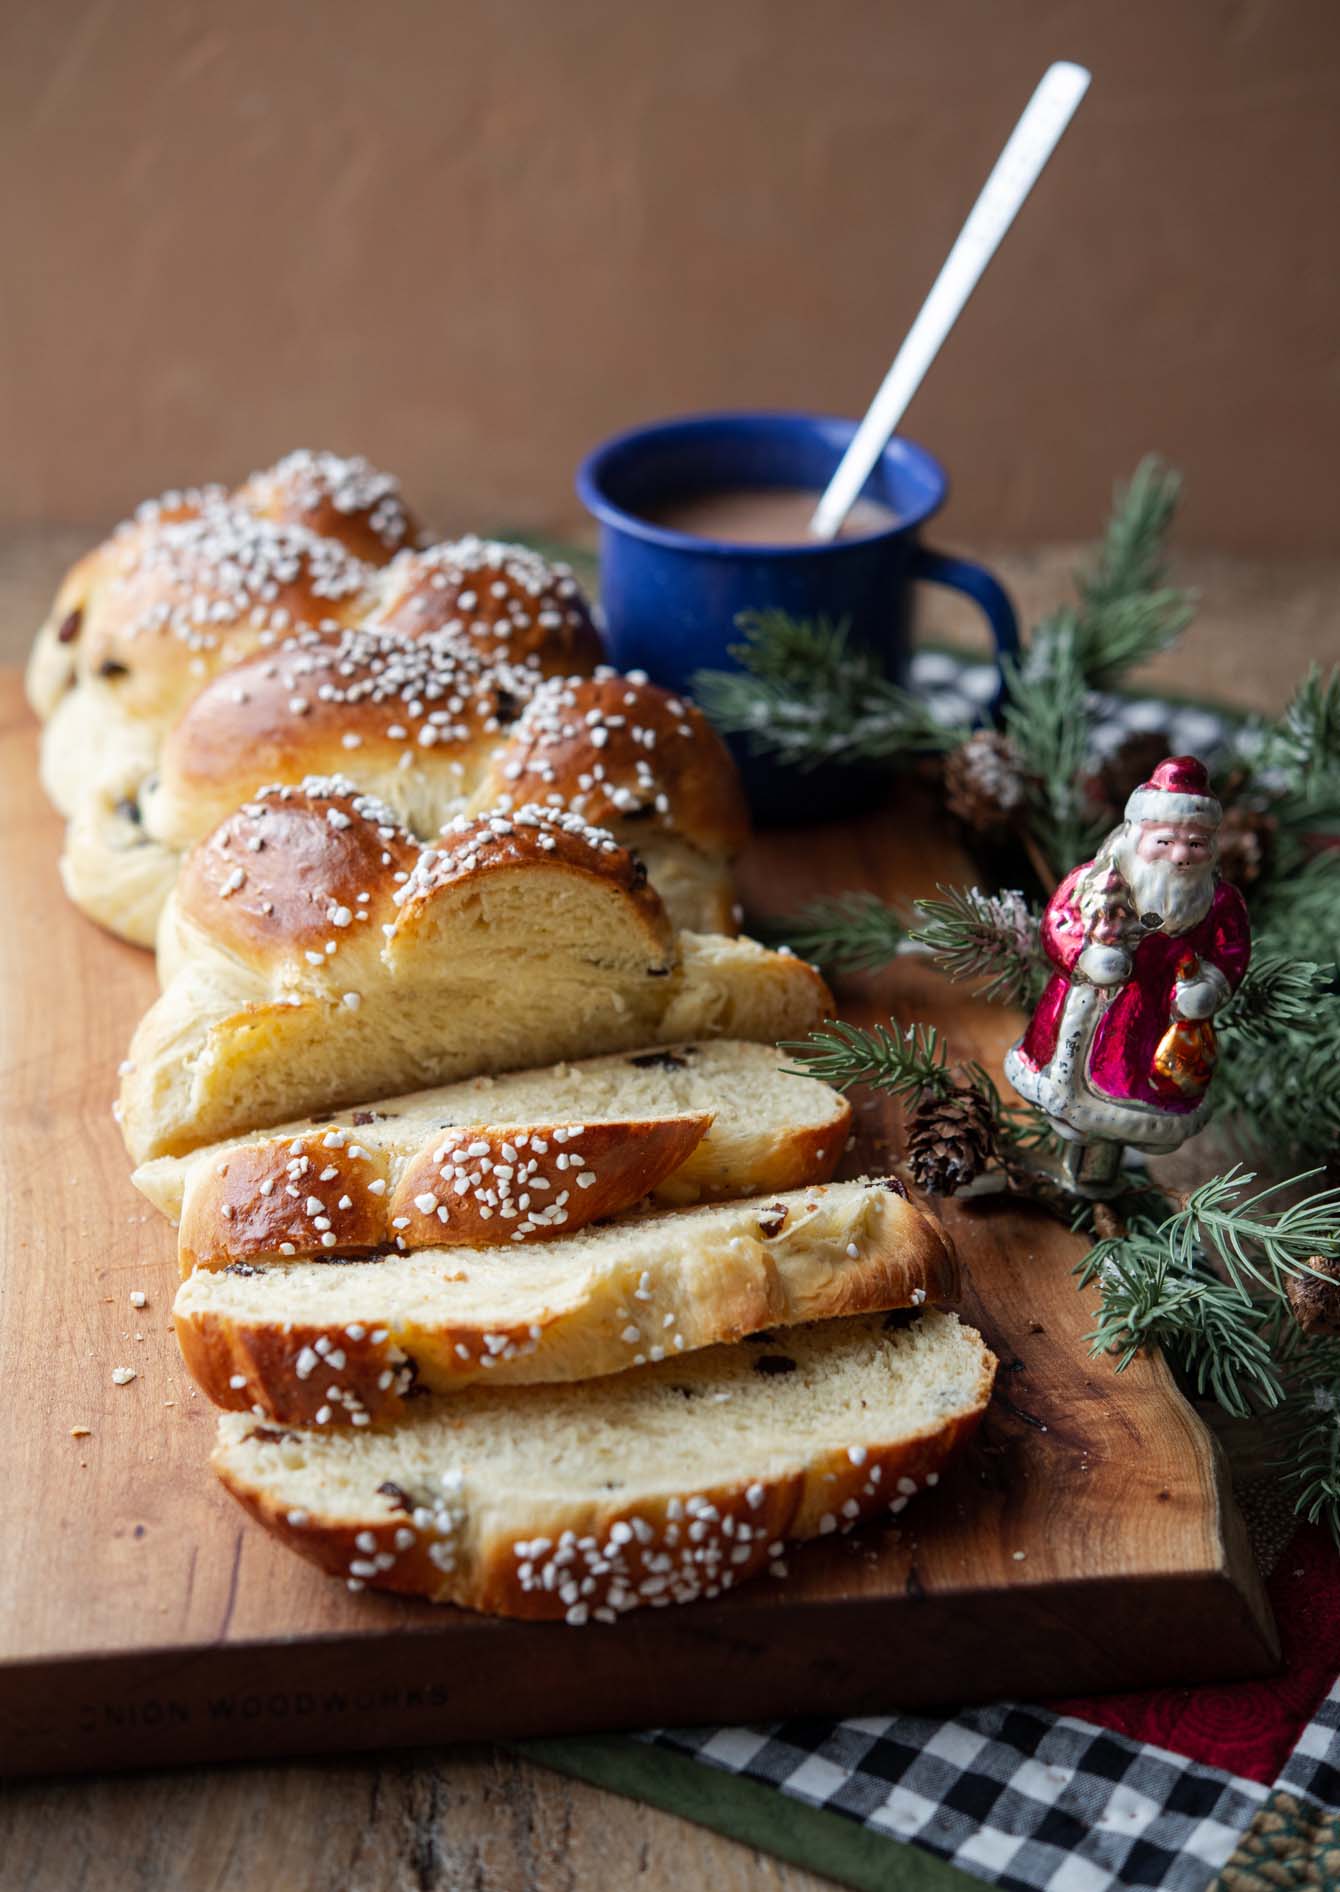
{"x": 353, "y": 701}
{"x": 295, "y": 869}
{"x": 627, "y": 755}
{"x": 495, "y": 594}
{"x": 594, "y": 1557}
{"x": 787, "y": 1261}
{"x": 338, "y": 497}
{"x": 485, "y": 1185}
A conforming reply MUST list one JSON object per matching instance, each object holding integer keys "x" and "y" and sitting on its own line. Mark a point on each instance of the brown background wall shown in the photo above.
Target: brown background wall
{"x": 470, "y": 239}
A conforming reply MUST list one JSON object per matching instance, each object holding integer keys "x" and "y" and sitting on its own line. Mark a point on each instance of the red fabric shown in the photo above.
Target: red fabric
{"x": 1247, "y": 1728}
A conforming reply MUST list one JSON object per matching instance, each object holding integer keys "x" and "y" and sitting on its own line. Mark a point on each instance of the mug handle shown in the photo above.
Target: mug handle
{"x": 986, "y": 592}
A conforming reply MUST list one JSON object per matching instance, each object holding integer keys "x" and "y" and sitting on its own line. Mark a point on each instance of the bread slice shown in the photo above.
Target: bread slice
{"x": 352, "y": 1342}
{"x": 316, "y": 954}
{"x": 580, "y": 1503}
{"x": 480, "y": 1186}
{"x": 772, "y": 1128}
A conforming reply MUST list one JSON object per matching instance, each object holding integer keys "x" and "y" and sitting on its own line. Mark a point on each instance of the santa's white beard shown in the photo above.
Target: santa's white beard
{"x": 1181, "y": 896}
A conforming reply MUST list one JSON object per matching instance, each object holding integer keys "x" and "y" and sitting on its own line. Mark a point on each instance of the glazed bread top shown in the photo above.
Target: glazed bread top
{"x": 626, "y": 754}
{"x": 500, "y": 597}
{"x": 414, "y": 722}
{"x": 201, "y": 576}
{"x": 324, "y": 879}
{"x": 337, "y": 497}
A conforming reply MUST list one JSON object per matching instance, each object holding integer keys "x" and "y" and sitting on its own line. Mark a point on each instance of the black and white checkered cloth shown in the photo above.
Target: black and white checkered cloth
{"x": 1028, "y": 1800}
{"x": 1312, "y": 1771}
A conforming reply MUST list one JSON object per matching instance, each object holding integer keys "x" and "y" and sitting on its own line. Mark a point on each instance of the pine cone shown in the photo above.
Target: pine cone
{"x": 949, "y": 1141}
{"x": 983, "y": 782}
{"x": 1133, "y": 761}
{"x": 1316, "y": 1304}
{"x": 1246, "y": 843}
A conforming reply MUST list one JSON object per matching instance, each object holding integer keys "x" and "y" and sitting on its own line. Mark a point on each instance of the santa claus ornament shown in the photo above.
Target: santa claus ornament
{"x": 1148, "y": 943}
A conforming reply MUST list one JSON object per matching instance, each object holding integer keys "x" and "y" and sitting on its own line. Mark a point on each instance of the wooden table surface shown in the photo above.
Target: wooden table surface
{"x": 474, "y": 1817}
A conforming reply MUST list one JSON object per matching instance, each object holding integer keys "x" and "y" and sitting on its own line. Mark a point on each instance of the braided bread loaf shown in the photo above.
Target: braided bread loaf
{"x": 477, "y": 851}
{"x": 197, "y": 578}
{"x": 434, "y": 727}
{"x": 314, "y": 954}
{"x": 198, "y": 581}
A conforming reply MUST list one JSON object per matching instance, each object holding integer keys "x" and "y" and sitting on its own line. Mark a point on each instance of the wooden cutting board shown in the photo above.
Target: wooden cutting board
{"x": 1087, "y": 1542}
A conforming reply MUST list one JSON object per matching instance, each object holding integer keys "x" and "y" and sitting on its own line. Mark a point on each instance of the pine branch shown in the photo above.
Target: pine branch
{"x": 914, "y": 1066}
{"x": 853, "y": 932}
{"x": 806, "y": 695}
{"x": 1310, "y": 1432}
{"x": 1276, "y": 1083}
{"x": 1127, "y": 612}
{"x": 1297, "y": 914}
{"x": 1303, "y": 746}
{"x": 911, "y": 1064}
{"x": 1278, "y": 994}
{"x": 993, "y": 937}
{"x": 1280, "y": 1094}
{"x": 1260, "y": 1247}
{"x": 1160, "y": 1285}
{"x": 1125, "y": 615}
{"x": 1208, "y": 1328}
{"x": 1049, "y": 723}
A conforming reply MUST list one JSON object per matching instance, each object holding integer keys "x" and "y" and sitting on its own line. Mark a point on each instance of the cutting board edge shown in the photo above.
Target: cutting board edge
{"x": 151, "y": 1708}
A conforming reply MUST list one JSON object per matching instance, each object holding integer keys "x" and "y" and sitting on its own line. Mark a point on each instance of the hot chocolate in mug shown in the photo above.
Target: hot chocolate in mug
{"x": 672, "y": 597}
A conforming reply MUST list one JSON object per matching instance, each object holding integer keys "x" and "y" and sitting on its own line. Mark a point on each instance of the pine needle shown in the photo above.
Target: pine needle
{"x": 1277, "y": 994}
{"x": 1048, "y": 721}
{"x": 806, "y": 695}
{"x": 1303, "y": 746}
{"x": 991, "y": 937}
{"x": 1276, "y": 1083}
{"x": 1208, "y": 1329}
{"x": 1128, "y": 613}
{"x": 911, "y": 1064}
{"x": 1161, "y": 1286}
{"x": 852, "y": 932}
{"x": 1310, "y": 1432}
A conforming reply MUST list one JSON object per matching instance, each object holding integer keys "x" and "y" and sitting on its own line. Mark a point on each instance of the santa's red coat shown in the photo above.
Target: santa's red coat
{"x": 1121, "y": 1061}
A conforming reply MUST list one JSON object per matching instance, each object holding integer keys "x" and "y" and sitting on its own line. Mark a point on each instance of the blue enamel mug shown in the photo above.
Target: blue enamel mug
{"x": 671, "y": 600}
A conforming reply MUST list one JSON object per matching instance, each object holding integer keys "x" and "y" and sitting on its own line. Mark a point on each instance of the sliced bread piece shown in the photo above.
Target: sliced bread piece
{"x": 314, "y": 954}
{"x": 336, "y": 1344}
{"x": 477, "y": 1185}
{"x": 658, "y": 1486}
{"x": 772, "y": 1128}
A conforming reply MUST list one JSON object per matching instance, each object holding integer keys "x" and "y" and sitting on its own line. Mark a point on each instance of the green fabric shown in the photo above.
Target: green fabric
{"x": 747, "y": 1810}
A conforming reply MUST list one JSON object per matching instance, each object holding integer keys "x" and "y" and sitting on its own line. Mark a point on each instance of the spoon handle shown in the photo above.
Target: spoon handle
{"x": 1014, "y": 174}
